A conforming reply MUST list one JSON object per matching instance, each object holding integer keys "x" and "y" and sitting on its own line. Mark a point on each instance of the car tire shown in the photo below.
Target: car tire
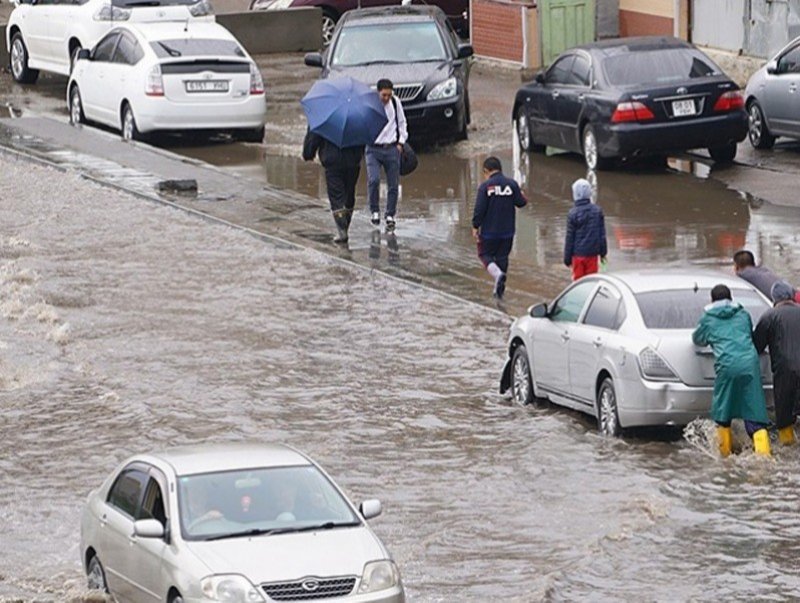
{"x": 96, "y": 575}
{"x": 521, "y": 379}
{"x": 607, "y": 414}
{"x": 329, "y": 20}
{"x": 176, "y": 598}
{"x": 591, "y": 154}
{"x": 757, "y": 130}
{"x": 130, "y": 131}
{"x": 723, "y": 154}
{"x": 256, "y": 135}
{"x": 522, "y": 125}
{"x": 76, "y": 115}
{"x": 18, "y": 60}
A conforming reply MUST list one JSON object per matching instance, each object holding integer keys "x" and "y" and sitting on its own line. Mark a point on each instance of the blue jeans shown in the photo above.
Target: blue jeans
{"x": 389, "y": 158}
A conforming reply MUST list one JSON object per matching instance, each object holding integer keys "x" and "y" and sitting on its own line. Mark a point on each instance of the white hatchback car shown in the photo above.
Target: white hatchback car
{"x": 169, "y": 76}
{"x": 238, "y": 523}
{"x": 47, "y": 34}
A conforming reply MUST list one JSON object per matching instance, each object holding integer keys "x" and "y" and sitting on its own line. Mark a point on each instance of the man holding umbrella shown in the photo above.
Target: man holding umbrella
{"x": 343, "y": 116}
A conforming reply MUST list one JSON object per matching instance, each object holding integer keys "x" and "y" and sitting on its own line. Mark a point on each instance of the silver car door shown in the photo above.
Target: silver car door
{"x": 782, "y": 94}
{"x": 146, "y": 554}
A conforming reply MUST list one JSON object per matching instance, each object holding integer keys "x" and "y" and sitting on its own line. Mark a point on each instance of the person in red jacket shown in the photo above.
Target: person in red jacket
{"x": 586, "y": 232}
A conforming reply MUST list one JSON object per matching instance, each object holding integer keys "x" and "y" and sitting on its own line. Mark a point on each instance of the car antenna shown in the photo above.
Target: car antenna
{"x": 186, "y": 26}
{"x": 696, "y": 288}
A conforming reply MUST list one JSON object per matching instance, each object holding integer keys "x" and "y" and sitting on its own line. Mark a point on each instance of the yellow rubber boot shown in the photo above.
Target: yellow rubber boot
{"x": 761, "y": 442}
{"x": 786, "y": 435}
{"x": 725, "y": 440}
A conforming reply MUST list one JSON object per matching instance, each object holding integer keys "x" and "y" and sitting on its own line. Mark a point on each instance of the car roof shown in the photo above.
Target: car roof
{"x": 208, "y": 458}
{"x": 176, "y": 30}
{"x": 636, "y": 43}
{"x": 643, "y": 281}
{"x": 382, "y": 14}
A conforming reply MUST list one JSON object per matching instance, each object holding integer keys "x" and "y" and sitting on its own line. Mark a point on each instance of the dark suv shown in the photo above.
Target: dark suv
{"x": 416, "y": 48}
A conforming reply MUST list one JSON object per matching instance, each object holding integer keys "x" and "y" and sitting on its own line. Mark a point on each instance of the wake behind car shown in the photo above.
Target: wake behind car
{"x": 232, "y": 522}
{"x": 618, "y": 346}
{"x": 148, "y": 77}
{"x": 414, "y": 47}
{"x": 47, "y": 34}
{"x": 627, "y": 97}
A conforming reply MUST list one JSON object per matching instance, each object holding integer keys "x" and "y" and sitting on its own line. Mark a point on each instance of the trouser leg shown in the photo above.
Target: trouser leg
{"x": 351, "y": 179}
{"x": 391, "y": 163}
{"x": 785, "y": 392}
{"x": 337, "y": 195}
{"x": 503, "y": 251}
{"x": 373, "y": 179}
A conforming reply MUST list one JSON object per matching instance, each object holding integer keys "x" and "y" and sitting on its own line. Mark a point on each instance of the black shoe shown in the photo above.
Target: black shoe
{"x": 341, "y": 236}
{"x": 500, "y": 286}
{"x": 376, "y": 218}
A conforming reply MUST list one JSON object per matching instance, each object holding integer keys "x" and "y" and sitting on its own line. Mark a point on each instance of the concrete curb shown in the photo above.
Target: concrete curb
{"x": 270, "y": 31}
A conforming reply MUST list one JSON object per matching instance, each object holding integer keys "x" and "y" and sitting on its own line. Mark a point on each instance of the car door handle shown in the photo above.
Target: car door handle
{"x": 792, "y": 88}
{"x": 555, "y": 94}
{"x": 564, "y": 336}
{"x": 581, "y": 97}
{"x": 597, "y": 342}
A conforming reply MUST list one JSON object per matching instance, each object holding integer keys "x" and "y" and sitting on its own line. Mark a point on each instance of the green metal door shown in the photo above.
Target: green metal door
{"x": 565, "y": 23}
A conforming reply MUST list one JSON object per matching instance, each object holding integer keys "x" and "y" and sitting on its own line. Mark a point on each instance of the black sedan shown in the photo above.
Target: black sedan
{"x": 619, "y": 99}
{"x": 416, "y": 48}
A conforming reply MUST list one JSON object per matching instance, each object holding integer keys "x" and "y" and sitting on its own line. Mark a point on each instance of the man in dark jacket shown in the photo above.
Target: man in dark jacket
{"x": 779, "y": 330}
{"x": 494, "y": 221}
{"x": 342, "y": 166}
{"x": 761, "y": 277}
{"x": 586, "y": 232}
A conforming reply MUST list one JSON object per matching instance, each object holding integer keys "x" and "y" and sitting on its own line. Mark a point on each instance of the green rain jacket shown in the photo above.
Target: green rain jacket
{"x": 738, "y": 393}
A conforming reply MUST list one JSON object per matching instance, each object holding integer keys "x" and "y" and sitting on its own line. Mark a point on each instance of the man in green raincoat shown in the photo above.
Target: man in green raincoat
{"x": 738, "y": 394}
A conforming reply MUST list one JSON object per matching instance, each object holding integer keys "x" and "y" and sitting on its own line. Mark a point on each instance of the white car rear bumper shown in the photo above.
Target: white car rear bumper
{"x": 159, "y": 113}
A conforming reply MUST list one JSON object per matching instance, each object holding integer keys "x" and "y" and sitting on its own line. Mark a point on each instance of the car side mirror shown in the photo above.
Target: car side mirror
{"x": 465, "y": 51}
{"x": 539, "y": 311}
{"x": 148, "y": 528}
{"x": 539, "y": 78}
{"x": 84, "y": 54}
{"x": 772, "y": 67}
{"x": 370, "y": 508}
{"x": 313, "y": 59}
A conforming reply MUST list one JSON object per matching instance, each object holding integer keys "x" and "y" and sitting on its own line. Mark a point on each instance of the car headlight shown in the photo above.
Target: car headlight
{"x": 112, "y": 13}
{"x": 447, "y": 89}
{"x": 201, "y": 9}
{"x": 230, "y": 588}
{"x": 379, "y": 575}
{"x": 271, "y": 4}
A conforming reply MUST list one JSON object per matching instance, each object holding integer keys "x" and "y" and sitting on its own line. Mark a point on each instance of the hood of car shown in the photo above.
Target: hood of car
{"x": 279, "y": 557}
{"x": 403, "y": 73}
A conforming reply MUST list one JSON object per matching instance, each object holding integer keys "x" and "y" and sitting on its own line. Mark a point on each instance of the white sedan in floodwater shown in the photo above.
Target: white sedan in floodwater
{"x": 619, "y": 347}
{"x": 239, "y": 523}
{"x": 176, "y": 76}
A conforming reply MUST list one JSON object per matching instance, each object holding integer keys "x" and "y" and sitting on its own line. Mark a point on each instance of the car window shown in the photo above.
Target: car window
{"x": 606, "y": 309}
{"x": 135, "y": 3}
{"x": 568, "y": 307}
{"x": 790, "y": 62}
{"x": 657, "y": 66}
{"x": 682, "y": 308}
{"x": 579, "y": 74}
{"x": 153, "y": 504}
{"x": 127, "y": 491}
{"x": 126, "y": 51}
{"x": 194, "y": 47}
{"x": 560, "y": 70}
{"x": 105, "y": 47}
{"x": 411, "y": 41}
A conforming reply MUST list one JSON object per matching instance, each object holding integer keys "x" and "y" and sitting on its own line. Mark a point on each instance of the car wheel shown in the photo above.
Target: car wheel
{"x": 76, "y": 115}
{"x": 524, "y": 133}
{"x": 96, "y": 576}
{"x": 19, "y": 62}
{"x": 129, "y": 129}
{"x": 256, "y": 135}
{"x": 73, "y": 57}
{"x": 591, "y": 152}
{"x": 757, "y": 130}
{"x": 521, "y": 381}
{"x": 723, "y": 154}
{"x": 176, "y": 598}
{"x": 607, "y": 416}
{"x": 329, "y": 19}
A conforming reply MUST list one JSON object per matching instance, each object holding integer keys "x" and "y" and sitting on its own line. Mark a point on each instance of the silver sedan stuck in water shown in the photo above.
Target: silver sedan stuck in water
{"x": 234, "y": 523}
{"x": 619, "y": 347}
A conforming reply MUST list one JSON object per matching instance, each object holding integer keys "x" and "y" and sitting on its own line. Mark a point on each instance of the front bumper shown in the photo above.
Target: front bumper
{"x": 628, "y": 139}
{"x": 390, "y": 595}
{"x": 432, "y": 119}
{"x": 160, "y": 113}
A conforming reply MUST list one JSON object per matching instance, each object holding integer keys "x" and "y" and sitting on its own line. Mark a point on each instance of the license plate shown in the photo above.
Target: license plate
{"x": 206, "y": 85}
{"x": 683, "y": 108}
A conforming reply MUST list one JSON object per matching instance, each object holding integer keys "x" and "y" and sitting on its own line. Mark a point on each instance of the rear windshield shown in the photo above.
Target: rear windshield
{"x": 660, "y": 66}
{"x": 412, "y": 41}
{"x": 682, "y": 308}
{"x": 196, "y": 47}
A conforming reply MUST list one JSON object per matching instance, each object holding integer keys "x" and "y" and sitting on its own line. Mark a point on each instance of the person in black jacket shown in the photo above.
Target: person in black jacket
{"x": 779, "y": 329}
{"x": 342, "y": 167}
{"x": 493, "y": 221}
{"x": 586, "y": 232}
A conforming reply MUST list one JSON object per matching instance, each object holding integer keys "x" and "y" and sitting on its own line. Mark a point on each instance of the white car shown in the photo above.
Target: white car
{"x": 169, "y": 76}
{"x": 47, "y": 34}
{"x": 240, "y": 523}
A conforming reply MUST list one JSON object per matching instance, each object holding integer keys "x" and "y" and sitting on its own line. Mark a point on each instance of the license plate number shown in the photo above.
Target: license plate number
{"x": 682, "y": 108}
{"x": 206, "y": 86}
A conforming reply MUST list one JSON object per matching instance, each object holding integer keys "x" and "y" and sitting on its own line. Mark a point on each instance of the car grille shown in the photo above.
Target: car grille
{"x": 309, "y": 589}
{"x": 407, "y": 92}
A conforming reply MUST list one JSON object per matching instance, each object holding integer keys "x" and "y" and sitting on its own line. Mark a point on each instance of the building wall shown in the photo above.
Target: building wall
{"x": 497, "y": 30}
{"x": 646, "y": 17}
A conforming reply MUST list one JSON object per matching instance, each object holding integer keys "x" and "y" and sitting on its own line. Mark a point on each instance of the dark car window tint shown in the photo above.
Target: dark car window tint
{"x": 790, "y": 62}
{"x": 153, "y": 504}
{"x": 126, "y": 50}
{"x": 194, "y": 47}
{"x": 657, "y": 66}
{"x": 580, "y": 71}
{"x": 568, "y": 307}
{"x": 127, "y": 491}
{"x": 682, "y": 308}
{"x": 559, "y": 72}
{"x": 409, "y": 42}
{"x": 105, "y": 47}
{"x": 606, "y": 310}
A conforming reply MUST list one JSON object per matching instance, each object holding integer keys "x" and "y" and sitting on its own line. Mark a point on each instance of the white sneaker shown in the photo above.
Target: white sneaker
{"x": 390, "y": 223}
{"x": 376, "y": 218}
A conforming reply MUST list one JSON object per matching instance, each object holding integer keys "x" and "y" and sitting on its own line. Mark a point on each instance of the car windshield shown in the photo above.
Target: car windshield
{"x": 682, "y": 308}
{"x": 196, "y": 47}
{"x": 410, "y": 42}
{"x": 661, "y": 66}
{"x": 248, "y": 502}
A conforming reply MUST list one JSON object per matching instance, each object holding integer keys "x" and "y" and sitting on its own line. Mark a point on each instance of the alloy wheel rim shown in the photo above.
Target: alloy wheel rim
{"x": 17, "y": 53}
{"x": 521, "y": 383}
{"x": 523, "y": 132}
{"x": 95, "y": 578}
{"x": 75, "y": 108}
{"x": 328, "y": 25}
{"x": 590, "y": 149}
{"x": 127, "y": 126}
{"x": 608, "y": 420}
{"x": 755, "y": 124}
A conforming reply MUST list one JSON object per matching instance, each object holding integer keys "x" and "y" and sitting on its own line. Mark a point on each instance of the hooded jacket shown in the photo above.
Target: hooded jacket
{"x": 586, "y": 230}
{"x": 738, "y": 393}
{"x": 495, "y": 207}
{"x": 331, "y": 156}
{"x": 779, "y": 329}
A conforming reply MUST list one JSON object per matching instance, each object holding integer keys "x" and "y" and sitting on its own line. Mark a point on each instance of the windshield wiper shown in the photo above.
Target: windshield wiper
{"x": 245, "y": 533}
{"x": 328, "y": 525}
{"x": 135, "y": 3}
{"x": 171, "y": 51}
{"x": 380, "y": 62}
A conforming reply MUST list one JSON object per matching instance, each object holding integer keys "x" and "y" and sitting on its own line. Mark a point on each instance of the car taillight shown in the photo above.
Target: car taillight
{"x": 108, "y": 12}
{"x": 256, "y": 81}
{"x": 655, "y": 367}
{"x": 730, "y": 101}
{"x": 634, "y": 111}
{"x": 155, "y": 83}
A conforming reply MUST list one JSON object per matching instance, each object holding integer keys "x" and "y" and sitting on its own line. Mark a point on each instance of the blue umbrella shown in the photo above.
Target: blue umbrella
{"x": 344, "y": 111}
